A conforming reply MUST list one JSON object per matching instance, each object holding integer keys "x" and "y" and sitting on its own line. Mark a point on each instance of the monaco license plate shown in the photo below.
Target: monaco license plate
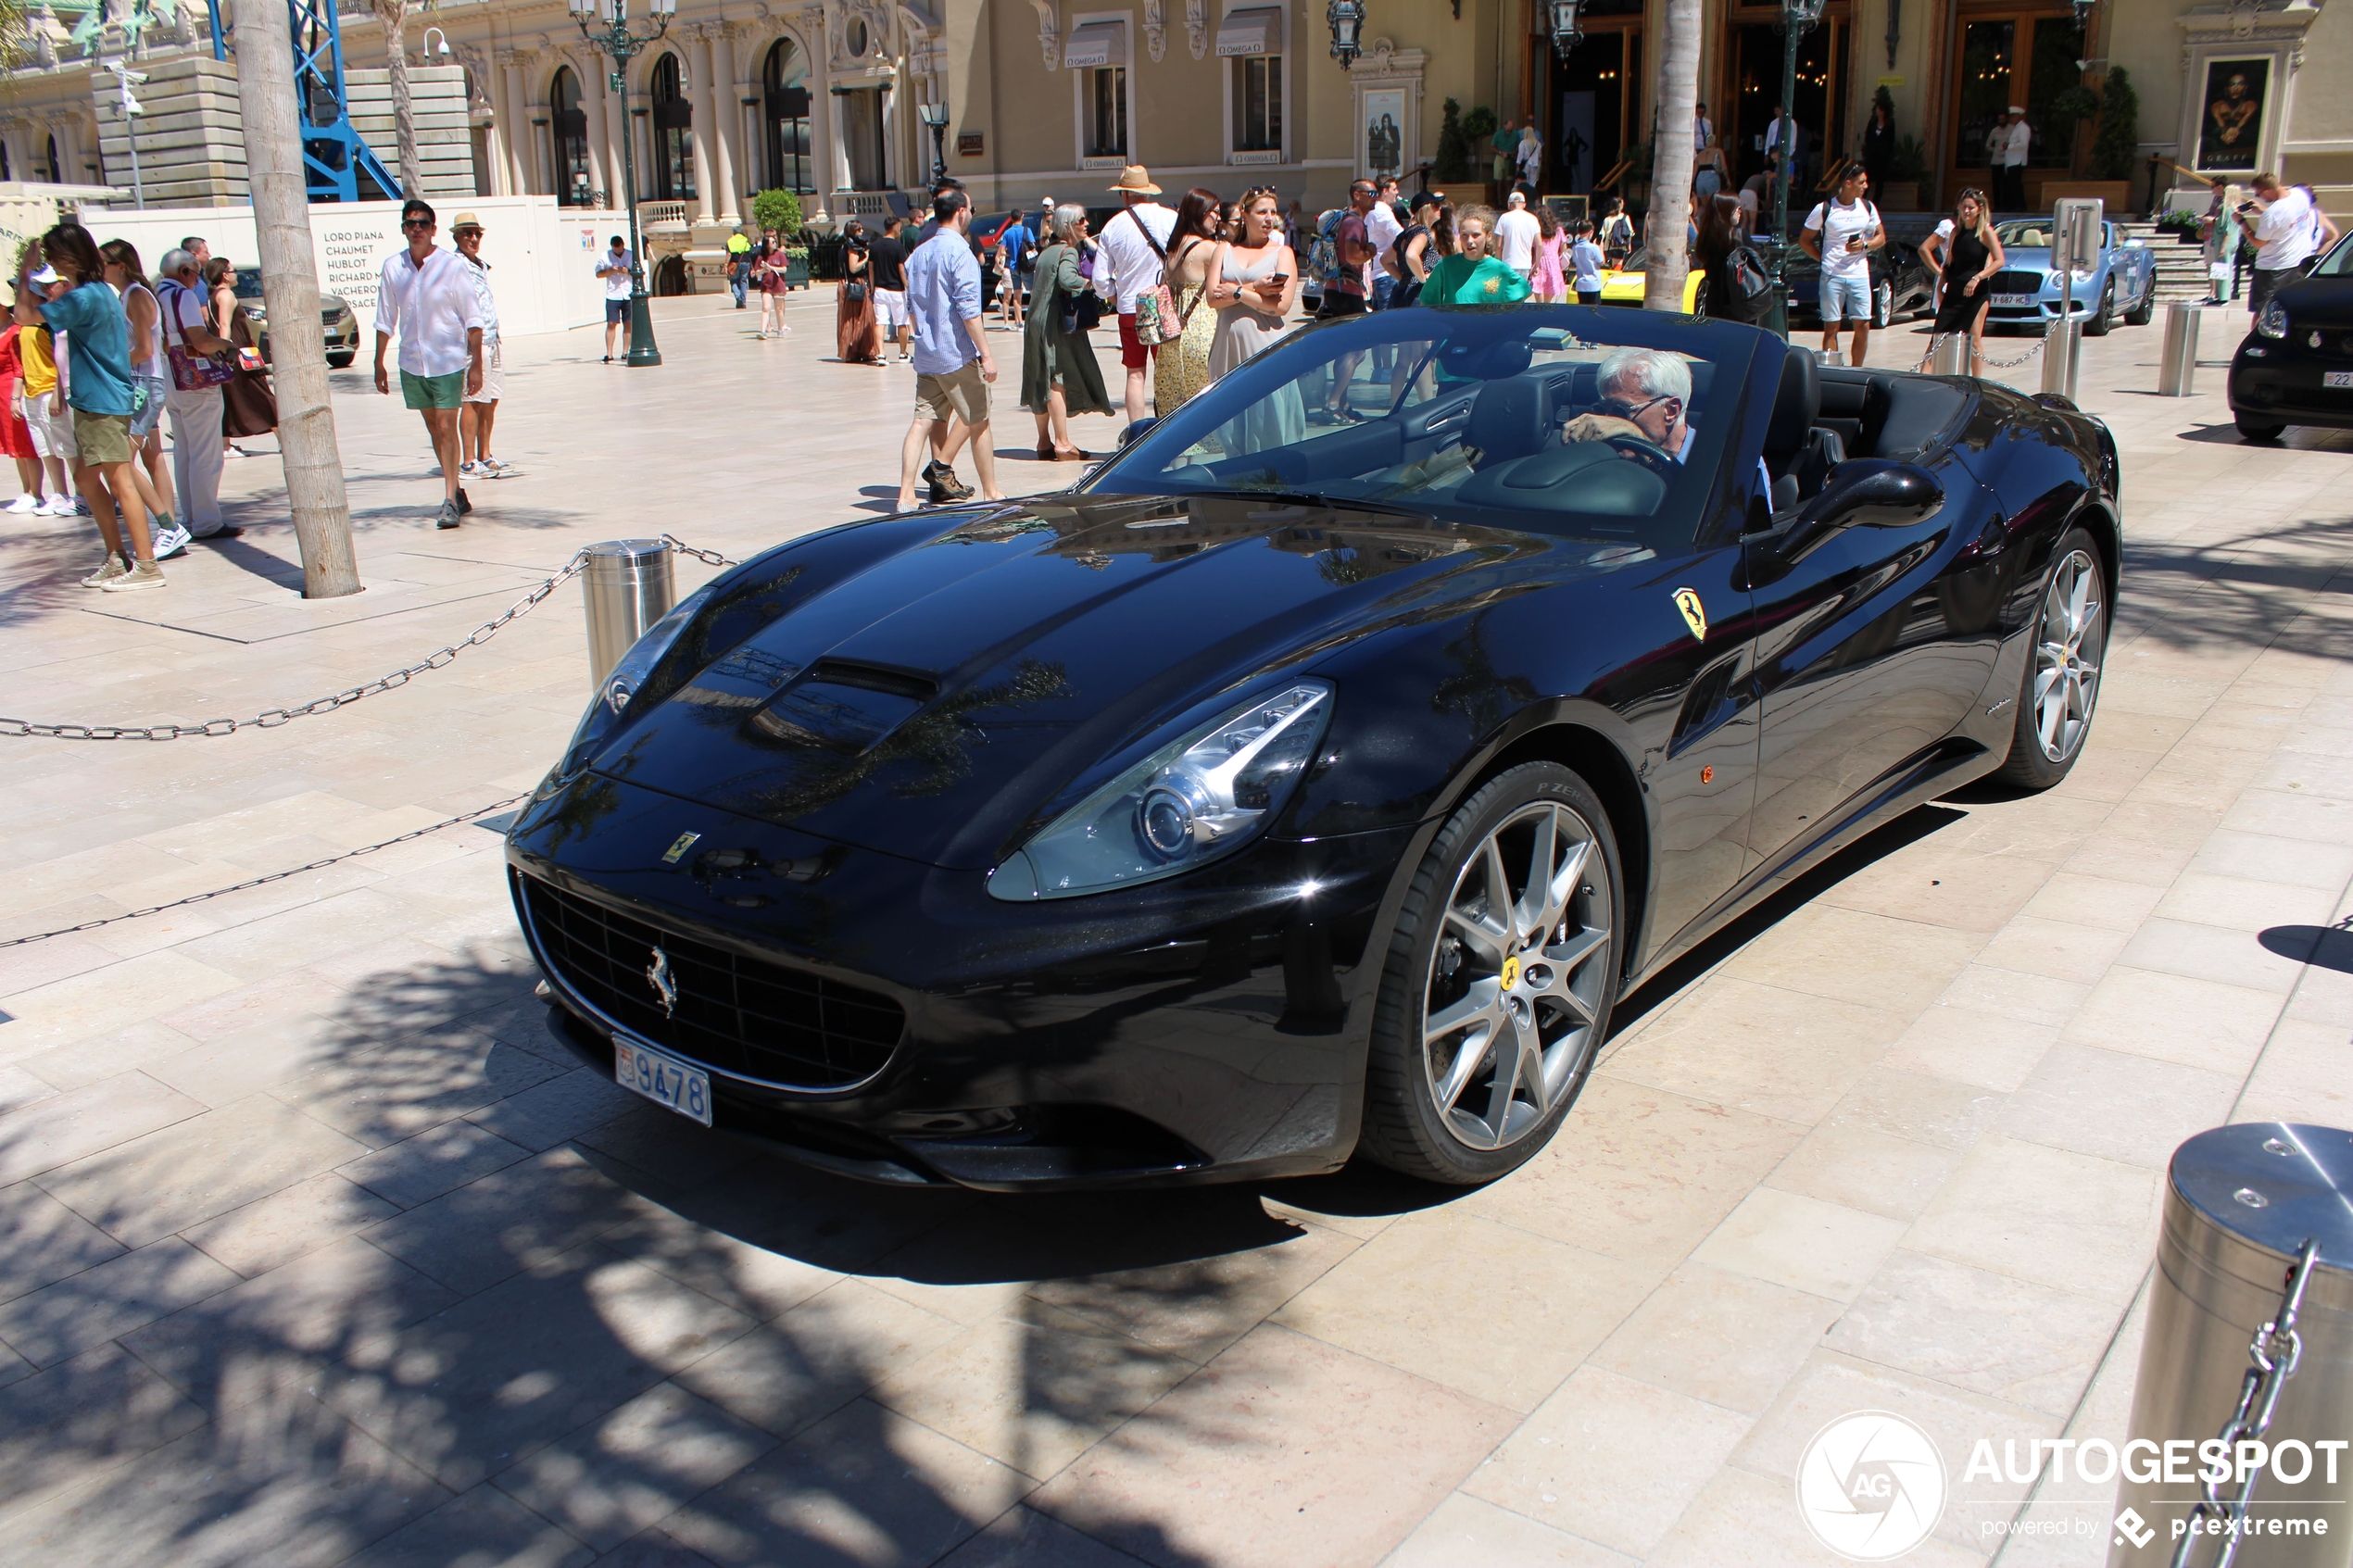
{"x": 662, "y": 1078}
{"x": 2014, "y": 301}
{"x": 2338, "y": 378}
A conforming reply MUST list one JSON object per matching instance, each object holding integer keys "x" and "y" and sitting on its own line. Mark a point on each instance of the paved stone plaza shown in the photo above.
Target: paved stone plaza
{"x": 315, "y": 1245}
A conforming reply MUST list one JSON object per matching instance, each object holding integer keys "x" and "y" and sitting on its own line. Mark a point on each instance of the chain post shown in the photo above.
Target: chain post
{"x": 2272, "y": 1357}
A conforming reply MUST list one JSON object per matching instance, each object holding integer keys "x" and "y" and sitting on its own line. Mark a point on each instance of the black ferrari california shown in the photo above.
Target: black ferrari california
{"x": 1314, "y": 778}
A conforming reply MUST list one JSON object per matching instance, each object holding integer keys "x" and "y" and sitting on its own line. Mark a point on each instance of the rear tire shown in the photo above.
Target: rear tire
{"x": 1495, "y": 969}
{"x": 2059, "y": 693}
{"x": 2257, "y": 429}
{"x": 2105, "y": 316}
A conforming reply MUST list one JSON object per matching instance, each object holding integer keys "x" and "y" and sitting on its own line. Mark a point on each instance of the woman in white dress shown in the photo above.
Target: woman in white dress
{"x": 1255, "y": 293}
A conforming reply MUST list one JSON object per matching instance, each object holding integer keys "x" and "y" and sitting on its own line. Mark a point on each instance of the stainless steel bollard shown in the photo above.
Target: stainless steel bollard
{"x": 1951, "y": 356}
{"x": 2240, "y": 1204}
{"x": 2180, "y": 369}
{"x": 626, "y": 586}
{"x": 2060, "y": 341}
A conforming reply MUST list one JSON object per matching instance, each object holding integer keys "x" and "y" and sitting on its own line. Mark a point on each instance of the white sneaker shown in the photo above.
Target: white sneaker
{"x": 57, "y": 506}
{"x": 81, "y": 508}
{"x": 469, "y": 469}
{"x": 24, "y": 504}
{"x": 171, "y": 542}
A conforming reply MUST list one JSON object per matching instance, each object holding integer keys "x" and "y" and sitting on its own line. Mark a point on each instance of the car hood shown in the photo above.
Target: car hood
{"x": 929, "y": 700}
{"x": 2319, "y": 302}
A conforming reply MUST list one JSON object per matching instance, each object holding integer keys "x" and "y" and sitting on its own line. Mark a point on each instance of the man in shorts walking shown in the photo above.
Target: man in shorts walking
{"x": 887, "y": 259}
{"x": 426, "y": 298}
{"x": 481, "y": 405}
{"x": 952, "y": 363}
{"x": 612, "y": 271}
{"x": 1842, "y": 234}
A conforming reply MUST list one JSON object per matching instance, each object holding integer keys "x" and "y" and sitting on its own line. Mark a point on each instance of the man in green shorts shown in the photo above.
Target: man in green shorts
{"x": 426, "y": 298}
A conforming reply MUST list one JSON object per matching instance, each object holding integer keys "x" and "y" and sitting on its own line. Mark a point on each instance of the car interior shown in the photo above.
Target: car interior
{"x": 1489, "y": 435}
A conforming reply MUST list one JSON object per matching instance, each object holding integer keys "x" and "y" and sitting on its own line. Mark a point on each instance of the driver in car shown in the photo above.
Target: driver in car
{"x": 1646, "y": 394}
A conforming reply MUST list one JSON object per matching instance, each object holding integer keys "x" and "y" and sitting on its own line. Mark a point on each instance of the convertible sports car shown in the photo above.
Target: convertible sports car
{"x": 2026, "y": 291}
{"x": 2295, "y": 368}
{"x": 1288, "y": 790}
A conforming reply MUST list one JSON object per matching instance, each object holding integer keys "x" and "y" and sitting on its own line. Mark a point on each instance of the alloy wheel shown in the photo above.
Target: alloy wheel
{"x": 2067, "y": 655}
{"x": 1518, "y": 976}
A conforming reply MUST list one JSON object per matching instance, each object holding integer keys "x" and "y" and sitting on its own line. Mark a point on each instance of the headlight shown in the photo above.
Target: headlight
{"x": 615, "y": 690}
{"x": 2274, "y": 321}
{"x": 1190, "y": 802}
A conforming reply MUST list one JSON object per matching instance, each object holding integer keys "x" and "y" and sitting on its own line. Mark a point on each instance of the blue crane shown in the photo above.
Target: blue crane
{"x": 332, "y": 153}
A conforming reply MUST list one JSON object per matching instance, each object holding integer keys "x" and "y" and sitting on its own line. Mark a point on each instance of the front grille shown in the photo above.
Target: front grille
{"x": 2015, "y": 282}
{"x": 736, "y": 1014}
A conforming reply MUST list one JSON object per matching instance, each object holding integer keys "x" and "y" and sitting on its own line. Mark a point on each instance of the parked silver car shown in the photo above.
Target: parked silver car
{"x": 2026, "y": 290}
{"x": 334, "y": 313}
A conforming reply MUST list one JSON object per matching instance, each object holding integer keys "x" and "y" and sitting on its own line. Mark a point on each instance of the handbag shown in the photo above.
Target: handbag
{"x": 191, "y": 371}
{"x": 854, "y": 293}
{"x": 1156, "y": 307}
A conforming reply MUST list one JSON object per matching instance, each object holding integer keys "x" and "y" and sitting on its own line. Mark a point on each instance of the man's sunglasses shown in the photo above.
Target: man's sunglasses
{"x": 416, "y": 222}
{"x": 1631, "y": 411}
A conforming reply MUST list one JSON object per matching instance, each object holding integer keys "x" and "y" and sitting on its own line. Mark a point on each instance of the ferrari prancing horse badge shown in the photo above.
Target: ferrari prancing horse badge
{"x": 1694, "y": 612}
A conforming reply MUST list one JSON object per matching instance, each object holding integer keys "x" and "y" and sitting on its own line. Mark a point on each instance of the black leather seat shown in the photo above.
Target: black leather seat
{"x": 1510, "y": 419}
{"x": 1795, "y": 406}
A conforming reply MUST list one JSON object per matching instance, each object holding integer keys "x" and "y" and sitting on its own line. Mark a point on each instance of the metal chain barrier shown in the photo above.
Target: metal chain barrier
{"x": 1938, "y": 340}
{"x": 271, "y": 718}
{"x": 2271, "y": 1356}
{"x": 273, "y": 876}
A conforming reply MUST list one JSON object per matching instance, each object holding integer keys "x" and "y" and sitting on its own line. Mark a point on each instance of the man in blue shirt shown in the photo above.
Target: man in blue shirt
{"x": 952, "y": 363}
{"x": 1585, "y": 258}
{"x": 1019, "y": 248}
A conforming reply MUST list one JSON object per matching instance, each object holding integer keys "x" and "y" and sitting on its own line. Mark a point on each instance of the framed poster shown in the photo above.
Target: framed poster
{"x": 2230, "y": 126}
{"x": 1381, "y": 149}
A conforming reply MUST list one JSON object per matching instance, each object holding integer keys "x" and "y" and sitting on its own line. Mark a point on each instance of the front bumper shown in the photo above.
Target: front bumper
{"x": 1209, "y": 1028}
{"x": 2083, "y": 305}
{"x": 2274, "y": 378}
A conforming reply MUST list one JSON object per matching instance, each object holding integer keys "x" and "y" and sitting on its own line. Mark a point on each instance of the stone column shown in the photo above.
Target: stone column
{"x": 523, "y": 137}
{"x": 727, "y": 119}
{"x": 595, "y": 99}
{"x": 702, "y": 50}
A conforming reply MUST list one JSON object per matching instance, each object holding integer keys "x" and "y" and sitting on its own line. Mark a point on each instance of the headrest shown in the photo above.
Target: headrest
{"x": 1879, "y": 399}
{"x": 1509, "y": 420}
{"x": 1796, "y": 406}
{"x": 1492, "y": 360}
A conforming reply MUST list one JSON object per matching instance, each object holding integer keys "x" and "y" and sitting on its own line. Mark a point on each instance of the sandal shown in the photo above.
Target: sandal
{"x": 1045, "y": 451}
{"x": 1071, "y": 455}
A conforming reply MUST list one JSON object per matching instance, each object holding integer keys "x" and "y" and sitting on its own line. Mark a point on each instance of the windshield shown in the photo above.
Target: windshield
{"x": 1556, "y": 419}
{"x": 2337, "y": 263}
{"x": 2034, "y": 234}
{"x": 249, "y": 283}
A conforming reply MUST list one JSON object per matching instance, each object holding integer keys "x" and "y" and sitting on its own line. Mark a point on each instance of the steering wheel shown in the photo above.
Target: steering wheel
{"x": 1647, "y": 453}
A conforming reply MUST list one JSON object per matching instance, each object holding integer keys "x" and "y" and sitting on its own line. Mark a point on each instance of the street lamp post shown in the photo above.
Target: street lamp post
{"x": 935, "y": 115}
{"x": 616, "y": 41}
{"x": 1798, "y": 18}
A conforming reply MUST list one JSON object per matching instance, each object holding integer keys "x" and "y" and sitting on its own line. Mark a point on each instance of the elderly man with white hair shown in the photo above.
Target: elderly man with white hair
{"x": 1516, "y": 235}
{"x": 1647, "y": 393}
{"x": 195, "y": 412}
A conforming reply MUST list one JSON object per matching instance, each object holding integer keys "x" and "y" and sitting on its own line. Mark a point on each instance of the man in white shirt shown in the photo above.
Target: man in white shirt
{"x": 1516, "y": 234}
{"x": 1135, "y": 244}
{"x": 195, "y": 415}
{"x": 1382, "y": 228}
{"x": 2009, "y": 142}
{"x": 612, "y": 271}
{"x": 1702, "y": 131}
{"x": 474, "y": 420}
{"x": 2281, "y": 231}
{"x": 1842, "y": 234}
{"x": 426, "y": 298}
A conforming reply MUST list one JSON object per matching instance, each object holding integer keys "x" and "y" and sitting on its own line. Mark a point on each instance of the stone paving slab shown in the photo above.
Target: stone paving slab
{"x": 316, "y": 1247}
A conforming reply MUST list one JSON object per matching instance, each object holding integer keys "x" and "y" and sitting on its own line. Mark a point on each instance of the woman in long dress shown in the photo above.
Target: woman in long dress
{"x": 1193, "y": 251}
{"x": 857, "y": 339}
{"x": 1059, "y": 375}
{"x": 1256, "y": 290}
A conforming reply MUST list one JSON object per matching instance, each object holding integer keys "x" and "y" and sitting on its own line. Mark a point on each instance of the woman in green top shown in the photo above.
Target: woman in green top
{"x": 1059, "y": 375}
{"x": 1474, "y": 274}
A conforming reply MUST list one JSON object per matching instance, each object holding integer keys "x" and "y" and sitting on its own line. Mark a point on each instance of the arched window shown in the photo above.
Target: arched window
{"x": 786, "y": 110}
{"x": 570, "y": 129}
{"x": 6, "y": 171}
{"x": 673, "y": 138}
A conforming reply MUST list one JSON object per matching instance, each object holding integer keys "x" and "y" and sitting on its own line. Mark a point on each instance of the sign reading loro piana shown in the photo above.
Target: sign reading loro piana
{"x": 351, "y": 262}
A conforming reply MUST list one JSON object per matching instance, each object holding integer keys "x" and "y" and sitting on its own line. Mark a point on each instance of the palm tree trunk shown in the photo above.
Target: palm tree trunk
{"x": 404, "y": 114}
{"x": 1671, "y": 158}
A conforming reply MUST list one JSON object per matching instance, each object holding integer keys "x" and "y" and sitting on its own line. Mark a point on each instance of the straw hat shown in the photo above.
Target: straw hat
{"x": 1137, "y": 181}
{"x": 465, "y": 220}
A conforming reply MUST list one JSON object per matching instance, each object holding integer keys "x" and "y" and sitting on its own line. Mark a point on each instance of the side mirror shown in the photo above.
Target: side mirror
{"x": 1137, "y": 431}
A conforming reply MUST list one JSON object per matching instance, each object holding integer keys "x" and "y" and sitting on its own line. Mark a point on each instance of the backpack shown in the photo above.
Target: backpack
{"x": 1750, "y": 287}
{"x": 1398, "y": 247}
{"x": 1323, "y": 257}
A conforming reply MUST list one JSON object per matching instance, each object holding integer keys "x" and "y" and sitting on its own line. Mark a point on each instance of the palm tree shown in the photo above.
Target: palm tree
{"x": 1671, "y": 158}
{"x": 395, "y": 16}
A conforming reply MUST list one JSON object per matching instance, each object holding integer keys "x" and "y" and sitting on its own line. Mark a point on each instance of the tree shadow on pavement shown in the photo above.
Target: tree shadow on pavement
{"x": 538, "y": 1320}
{"x": 2249, "y": 590}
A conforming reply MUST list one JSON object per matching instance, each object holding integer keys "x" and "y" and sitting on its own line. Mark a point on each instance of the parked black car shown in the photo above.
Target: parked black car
{"x": 1902, "y": 287}
{"x": 1289, "y": 790}
{"x": 2295, "y": 367}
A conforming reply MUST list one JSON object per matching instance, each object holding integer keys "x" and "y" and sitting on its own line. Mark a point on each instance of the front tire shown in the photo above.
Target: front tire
{"x": 2105, "y": 318}
{"x": 2257, "y": 429}
{"x": 341, "y": 361}
{"x": 2141, "y": 315}
{"x": 2061, "y": 687}
{"x": 1501, "y": 975}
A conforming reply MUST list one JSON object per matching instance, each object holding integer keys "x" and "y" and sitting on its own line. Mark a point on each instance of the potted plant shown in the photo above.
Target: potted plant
{"x": 2187, "y": 227}
{"x": 1906, "y": 175}
{"x": 1454, "y": 172}
{"x": 2115, "y": 108}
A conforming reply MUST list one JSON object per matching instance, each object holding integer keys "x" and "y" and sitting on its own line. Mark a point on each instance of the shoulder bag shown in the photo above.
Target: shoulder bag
{"x": 1156, "y": 320}
{"x": 191, "y": 371}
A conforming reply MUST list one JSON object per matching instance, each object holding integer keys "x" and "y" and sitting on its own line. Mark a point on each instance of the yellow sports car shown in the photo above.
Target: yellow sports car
{"x": 1623, "y": 284}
